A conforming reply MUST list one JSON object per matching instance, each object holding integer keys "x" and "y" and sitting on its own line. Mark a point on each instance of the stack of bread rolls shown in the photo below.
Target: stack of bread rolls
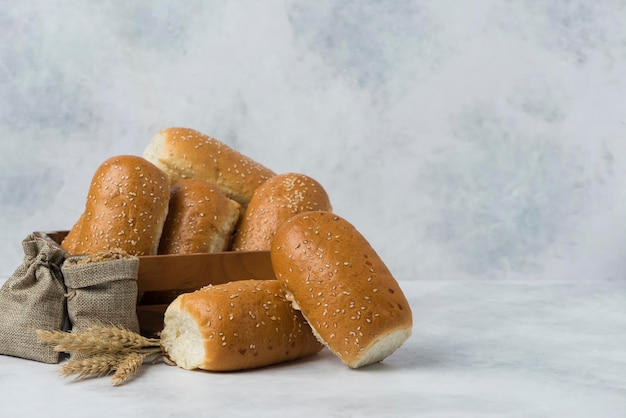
{"x": 186, "y": 194}
{"x": 190, "y": 193}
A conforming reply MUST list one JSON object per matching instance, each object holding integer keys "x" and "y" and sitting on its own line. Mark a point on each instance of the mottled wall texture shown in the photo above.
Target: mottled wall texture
{"x": 466, "y": 140}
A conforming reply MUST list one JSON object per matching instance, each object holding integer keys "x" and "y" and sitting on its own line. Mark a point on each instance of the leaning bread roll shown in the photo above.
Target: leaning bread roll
{"x": 200, "y": 219}
{"x": 126, "y": 207}
{"x": 344, "y": 290}
{"x": 275, "y": 201}
{"x": 234, "y": 326}
{"x": 186, "y": 153}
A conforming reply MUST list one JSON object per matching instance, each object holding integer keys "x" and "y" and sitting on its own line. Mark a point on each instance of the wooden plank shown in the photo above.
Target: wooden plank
{"x": 193, "y": 271}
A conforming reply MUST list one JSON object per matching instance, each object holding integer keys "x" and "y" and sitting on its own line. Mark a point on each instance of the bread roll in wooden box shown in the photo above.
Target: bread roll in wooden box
{"x": 163, "y": 277}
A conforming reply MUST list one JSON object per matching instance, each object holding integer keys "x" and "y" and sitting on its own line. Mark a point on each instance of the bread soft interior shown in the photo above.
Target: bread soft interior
{"x": 382, "y": 348}
{"x": 182, "y": 340}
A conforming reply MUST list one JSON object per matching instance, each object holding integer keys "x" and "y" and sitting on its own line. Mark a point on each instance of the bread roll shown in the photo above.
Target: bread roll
{"x": 234, "y": 326}
{"x": 200, "y": 219}
{"x": 343, "y": 288}
{"x": 185, "y": 153}
{"x": 126, "y": 208}
{"x": 275, "y": 201}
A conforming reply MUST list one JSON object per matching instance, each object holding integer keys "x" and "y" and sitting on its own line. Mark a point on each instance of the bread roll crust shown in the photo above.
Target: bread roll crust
{"x": 70, "y": 241}
{"x": 275, "y": 201}
{"x": 186, "y": 153}
{"x": 200, "y": 219}
{"x": 126, "y": 207}
{"x": 344, "y": 290}
{"x": 234, "y": 326}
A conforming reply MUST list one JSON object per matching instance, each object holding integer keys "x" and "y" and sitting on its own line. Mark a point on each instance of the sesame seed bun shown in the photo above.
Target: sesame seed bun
{"x": 234, "y": 326}
{"x": 275, "y": 201}
{"x": 200, "y": 219}
{"x": 188, "y": 154}
{"x": 126, "y": 207}
{"x": 344, "y": 290}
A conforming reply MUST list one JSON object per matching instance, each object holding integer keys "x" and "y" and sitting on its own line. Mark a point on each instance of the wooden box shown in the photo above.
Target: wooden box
{"x": 163, "y": 277}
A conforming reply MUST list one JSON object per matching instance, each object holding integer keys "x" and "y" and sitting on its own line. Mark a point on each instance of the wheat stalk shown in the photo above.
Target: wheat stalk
{"x": 97, "y": 364}
{"x": 102, "y": 350}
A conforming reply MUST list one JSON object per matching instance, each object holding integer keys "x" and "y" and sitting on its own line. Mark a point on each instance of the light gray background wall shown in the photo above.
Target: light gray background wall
{"x": 464, "y": 139}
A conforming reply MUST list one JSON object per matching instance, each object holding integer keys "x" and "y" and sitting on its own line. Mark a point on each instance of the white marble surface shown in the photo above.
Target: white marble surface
{"x": 479, "y": 349}
{"x": 466, "y": 140}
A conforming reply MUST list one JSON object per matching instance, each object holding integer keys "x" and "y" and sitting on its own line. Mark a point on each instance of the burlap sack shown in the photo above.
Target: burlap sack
{"x": 33, "y": 298}
{"x": 102, "y": 290}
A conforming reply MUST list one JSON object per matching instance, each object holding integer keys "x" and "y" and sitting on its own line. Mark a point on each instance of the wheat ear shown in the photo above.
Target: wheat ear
{"x": 95, "y": 365}
{"x": 123, "y": 336}
{"x": 80, "y": 343}
{"x": 128, "y": 367}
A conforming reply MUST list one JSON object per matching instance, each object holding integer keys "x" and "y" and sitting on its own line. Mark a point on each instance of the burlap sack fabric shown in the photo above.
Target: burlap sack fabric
{"x": 33, "y": 298}
{"x": 102, "y": 291}
{"x": 50, "y": 286}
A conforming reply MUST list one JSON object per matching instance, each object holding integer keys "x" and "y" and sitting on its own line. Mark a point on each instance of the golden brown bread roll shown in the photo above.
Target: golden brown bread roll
{"x": 343, "y": 288}
{"x": 200, "y": 219}
{"x": 235, "y": 326}
{"x": 188, "y": 154}
{"x": 126, "y": 208}
{"x": 275, "y": 201}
